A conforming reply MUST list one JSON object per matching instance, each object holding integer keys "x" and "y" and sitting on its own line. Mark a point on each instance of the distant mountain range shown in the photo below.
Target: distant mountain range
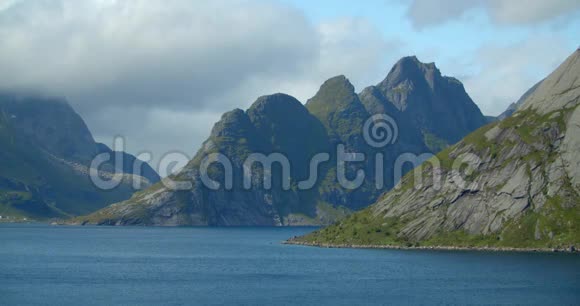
{"x": 523, "y": 190}
{"x": 45, "y": 159}
{"x": 430, "y": 112}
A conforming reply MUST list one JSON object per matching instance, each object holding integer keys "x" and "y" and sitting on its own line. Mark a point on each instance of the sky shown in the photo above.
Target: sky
{"x": 161, "y": 73}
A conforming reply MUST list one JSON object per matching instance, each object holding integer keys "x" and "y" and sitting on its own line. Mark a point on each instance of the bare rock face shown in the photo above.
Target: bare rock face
{"x": 570, "y": 148}
{"x": 434, "y": 103}
{"x": 512, "y": 183}
{"x": 509, "y": 181}
{"x": 559, "y": 90}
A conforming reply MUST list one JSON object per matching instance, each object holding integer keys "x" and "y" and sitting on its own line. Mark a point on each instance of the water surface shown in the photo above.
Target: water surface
{"x": 54, "y": 265}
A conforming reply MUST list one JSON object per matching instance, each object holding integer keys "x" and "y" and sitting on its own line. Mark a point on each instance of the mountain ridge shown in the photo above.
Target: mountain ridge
{"x": 334, "y": 116}
{"x": 523, "y": 191}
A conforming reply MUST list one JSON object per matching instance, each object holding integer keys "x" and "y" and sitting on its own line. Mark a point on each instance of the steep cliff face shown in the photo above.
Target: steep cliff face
{"x": 45, "y": 159}
{"x": 338, "y": 107}
{"x": 335, "y": 116}
{"x": 438, "y": 105}
{"x": 523, "y": 190}
{"x": 344, "y": 114}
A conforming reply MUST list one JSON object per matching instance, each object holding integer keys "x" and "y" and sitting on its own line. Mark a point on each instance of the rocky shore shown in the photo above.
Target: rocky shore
{"x": 571, "y": 249}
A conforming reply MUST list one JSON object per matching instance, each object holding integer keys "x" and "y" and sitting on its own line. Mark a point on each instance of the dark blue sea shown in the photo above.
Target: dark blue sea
{"x": 59, "y": 265}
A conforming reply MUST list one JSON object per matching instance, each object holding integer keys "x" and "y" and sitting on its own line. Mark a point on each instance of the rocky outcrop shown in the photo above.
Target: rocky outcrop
{"x": 570, "y": 147}
{"x": 512, "y": 183}
{"x": 559, "y": 90}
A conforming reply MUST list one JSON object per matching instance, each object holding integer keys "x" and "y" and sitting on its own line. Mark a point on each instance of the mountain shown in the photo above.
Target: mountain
{"x": 438, "y": 105}
{"x": 523, "y": 189}
{"x": 334, "y": 118}
{"x": 46, "y": 155}
{"x": 344, "y": 113}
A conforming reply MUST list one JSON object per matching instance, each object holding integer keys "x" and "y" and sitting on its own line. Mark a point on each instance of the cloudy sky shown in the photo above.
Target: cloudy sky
{"x": 160, "y": 73}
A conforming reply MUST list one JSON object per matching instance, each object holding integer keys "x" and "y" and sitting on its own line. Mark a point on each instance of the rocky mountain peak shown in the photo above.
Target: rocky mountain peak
{"x": 435, "y": 104}
{"x": 339, "y": 108}
{"x": 334, "y": 92}
{"x": 277, "y": 105}
{"x": 408, "y": 73}
{"x": 231, "y": 123}
{"x": 339, "y": 81}
{"x": 282, "y": 121}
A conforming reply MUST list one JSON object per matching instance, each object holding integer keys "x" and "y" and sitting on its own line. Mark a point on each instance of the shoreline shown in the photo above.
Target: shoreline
{"x": 430, "y": 248}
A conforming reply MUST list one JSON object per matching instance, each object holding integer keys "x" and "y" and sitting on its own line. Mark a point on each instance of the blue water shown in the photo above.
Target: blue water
{"x": 51, "y": 265}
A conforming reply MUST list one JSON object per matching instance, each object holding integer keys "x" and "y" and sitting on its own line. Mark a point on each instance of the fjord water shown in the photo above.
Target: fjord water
{"x": 42, "y": 264}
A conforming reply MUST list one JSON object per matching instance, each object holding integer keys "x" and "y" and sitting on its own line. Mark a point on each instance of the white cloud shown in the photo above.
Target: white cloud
{"x": 161, "y": 72}
{"x": 425, "y": 13}
{"x": 154, "y": 130}
{"x": 352, "y": 47}
{"x": 530, "y": 11}
{"x": 150, "y": 52}
{"x": 355, "y": 47}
